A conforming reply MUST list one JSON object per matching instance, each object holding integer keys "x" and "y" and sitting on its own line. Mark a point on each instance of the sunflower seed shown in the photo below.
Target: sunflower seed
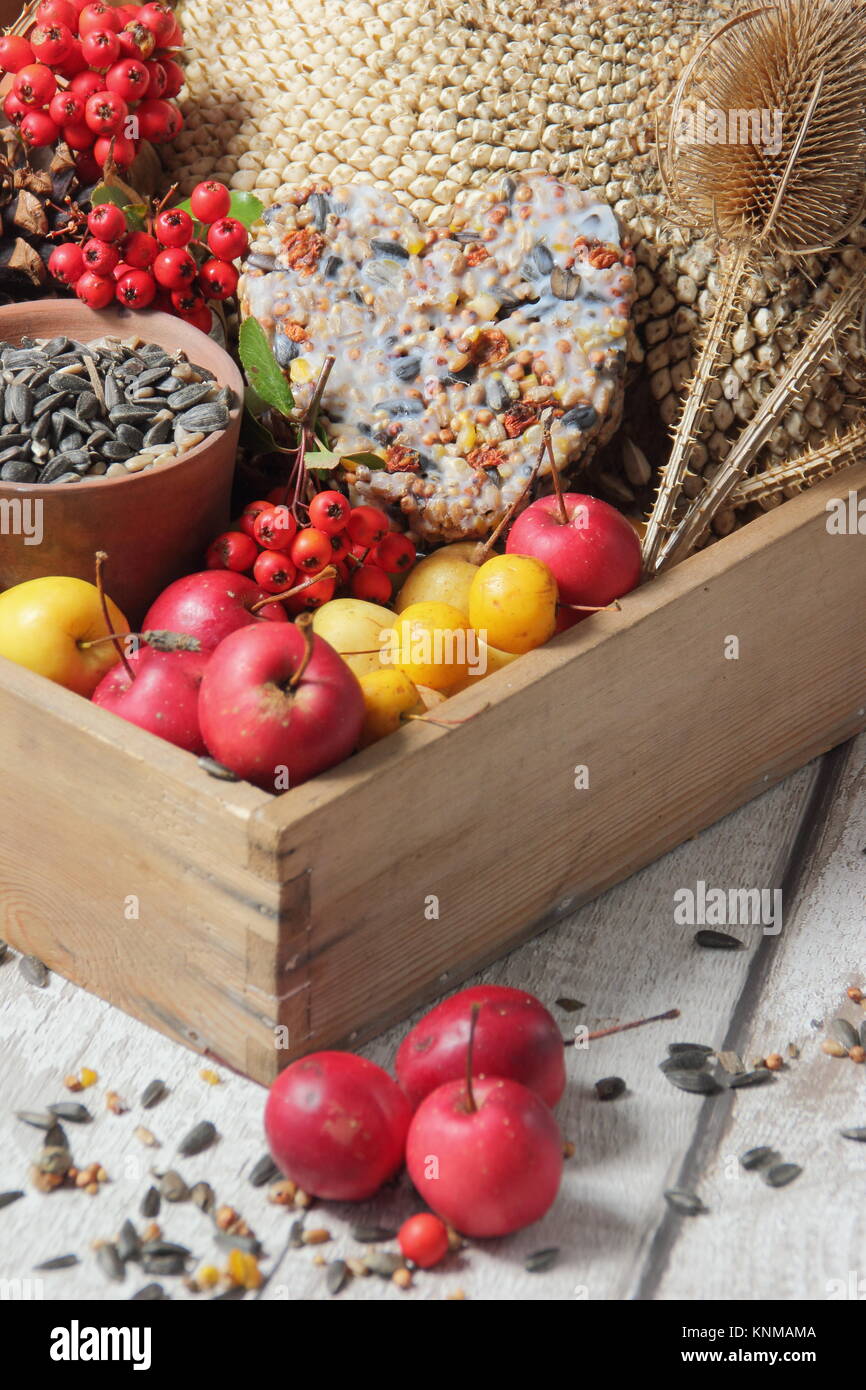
{"x": 164, "y": 1264}
{"x": 858, "y": 1134}
{"x": 48, "y": 405}
{"x": 700, "y": 1082}
{"x": 336, "y": 1275}
{"x": 4, "y": 949}
{"x": 110, "y": 1262}
{"x": 150, "y": 1293}
{"x": 128, "y": 434}
{"x": 685, "y": 1202}
{"x": 564, "y": 284}
{"x": 372, "y": 1235}
{"x": 206, "y": 418}
{"x": 34, "y": 971}
{"x": 159, "y": 1246}
{"x": 87, "y": 406}
{"x": 72, "y": 1112}
{"x": 215, "y": 769}
{"x": 37, "y": 1119}
{"x": 264, "y": 1171}
{"x": 188, "y": 396}
{"x": 259, "y": 261}
{"x": 55, "y": 1137}
{"x": 126, "y": 414}
{"x": 685, "y": 1061}
{"x": 203, "y": 1196}
{"x": 58, "y": 1262}
{"x": 758, "y": 1077}
{"x": 116, "y": 452}
{"x": 200, "y": 1137}
{"x": 541, "y": 1260}
{"x": 18, "y": 471}
{"x": 160, "y": 433}
{"x": 384, "y": 1263}
{"x": 609, "y": 1087}
{"x": 758, "y": 1158}
{"x": 249, "y": 1244}
{"x": 153, "y": 1094}
{"x": 233, "y": 1295}
{"x": 19, "y": 403}
{"x": 570, "y": 1005}
{"x": 717, "y": 940}
{"x": 112, "y": 391}
{"x": 128, "y": 1242}
{"x": 582, "y": 417}
{"x": 69, "y": 381}
{"x": 781, "y": 1174}
{"x": 7, "y": 1198}
{"x": 843, "y": 1032}
{"x": 151, "y": 1202}
{"x": 172, "y": 1187}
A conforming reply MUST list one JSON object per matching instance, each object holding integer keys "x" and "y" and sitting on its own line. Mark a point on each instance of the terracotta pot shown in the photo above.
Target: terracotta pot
{"x": 154, "y": 525}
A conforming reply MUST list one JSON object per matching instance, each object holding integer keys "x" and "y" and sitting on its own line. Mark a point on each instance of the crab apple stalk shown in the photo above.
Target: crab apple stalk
{"x": 101, "y": 557}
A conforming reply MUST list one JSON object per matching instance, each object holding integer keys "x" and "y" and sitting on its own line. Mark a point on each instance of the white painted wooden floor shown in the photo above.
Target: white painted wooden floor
{"x": 625, "y": 957}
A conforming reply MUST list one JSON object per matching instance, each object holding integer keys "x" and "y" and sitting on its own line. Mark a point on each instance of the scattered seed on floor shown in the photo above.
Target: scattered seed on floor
{"x": 793, "y": 1051}
{"x": 110, "y": 1262}
{"x": 718, "y": 940}
{"x": 153, "y": 1094}
{"x": 72, "y": 1112}
{"x": 215, "y": 769}
{"x": 7, "y": 1198}
{"x": 570, "y": 1005}
{"x": 37, "y": 1119}
{"x": 781, "y": 1174}
{"x": 336, "y": 1275}
{"x": 151, "y": 1293}
{"x": 858, "y": 1134}
{"x": 203, "y": 1196}
{"x": 685, "y": 1202}
{"x": 372, "y": 1235}
{"x": 128, "y": 1242}
{"x": 758, "y": 1077}
{"x": 609, "y": 1087}
{"x": 834, "y": 1048}
{"x": 296, "y": 1234}
{"x": 58, "y": 1262}
{"x": 675, "y": 1048}
{"x": 34, "y": 971}
{"x": 541, "y": 1260}
{"x": 151, "y": 1203}
{"x": 843, "y": 1032}
{"x": 685, "y": 1061}
{"x": 699, "y": 1082}
{"x": 210, "y": 1077}
{"x": 385, "y": 1263}
{"x": 264, "y": 1171}
{"x": 146, "y": 1137}
{"x": 758, "y": 1158}
{"x": 199, "y": 1138}
{"x": 173, "y": 1188}
{"x": 732, "y": 1062}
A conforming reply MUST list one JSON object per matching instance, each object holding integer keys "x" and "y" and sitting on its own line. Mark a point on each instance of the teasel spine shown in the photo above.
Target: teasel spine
{"x": 774, "y": 484}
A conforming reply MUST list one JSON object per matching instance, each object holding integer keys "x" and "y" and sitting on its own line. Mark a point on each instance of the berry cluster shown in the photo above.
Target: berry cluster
{"x": 280, "y": 554}
{"x": 97, "y": 77}
{"x": 156, "y": 267}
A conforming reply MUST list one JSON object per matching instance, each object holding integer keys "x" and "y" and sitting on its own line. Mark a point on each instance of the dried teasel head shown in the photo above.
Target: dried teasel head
{"x": 765, "y": 139}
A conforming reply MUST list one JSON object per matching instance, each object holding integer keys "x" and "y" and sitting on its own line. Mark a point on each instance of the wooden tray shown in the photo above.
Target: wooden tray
{"x": 255, "y": 928}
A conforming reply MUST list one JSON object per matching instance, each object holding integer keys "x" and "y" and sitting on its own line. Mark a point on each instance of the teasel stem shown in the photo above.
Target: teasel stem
{"x": 101, "y": 558}
{"x": 837, "y": 453}
{"x": 694, "y": 410}
{"x": 807, "y": 362}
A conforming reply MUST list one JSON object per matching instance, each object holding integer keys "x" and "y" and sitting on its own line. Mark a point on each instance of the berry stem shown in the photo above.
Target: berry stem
{"x": 329, "y": 572}
{"x": 473, "y": 1020}
{"x": 101, "y": 558}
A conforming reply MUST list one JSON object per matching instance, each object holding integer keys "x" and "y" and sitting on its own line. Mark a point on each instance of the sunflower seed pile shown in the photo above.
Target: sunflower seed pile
{"x": 70, "y": 410}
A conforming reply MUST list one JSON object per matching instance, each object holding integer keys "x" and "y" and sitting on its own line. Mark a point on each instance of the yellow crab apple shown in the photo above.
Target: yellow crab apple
{"x": 48, "y": 625}
{"x": 388, "y": 696}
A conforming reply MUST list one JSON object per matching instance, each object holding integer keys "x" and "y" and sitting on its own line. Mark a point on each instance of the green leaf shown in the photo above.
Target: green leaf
{"x": 322, "y": 460}
{"x": 370, "y": 460}
{"x": 104, "y": 194}
{"x": 245, "y": 208}
{"x": 262, "y": 368}
{"x": 136, "y": 217}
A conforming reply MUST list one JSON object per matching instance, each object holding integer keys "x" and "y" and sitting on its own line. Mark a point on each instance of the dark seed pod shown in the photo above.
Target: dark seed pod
{"x": 128, "y": 1242}
{"x": 582, "y": 417}
{"x": 372, "y": 1235}
{"x": 265, "y": 1171}
{"x": 34, "y": 971}
{"x": 570, "y": 1005}
{"x": 699, "y": 1082}
{"x": 759, "y": 1077}
{"x": 200, "y": 1137}
{"x": 153, "y": 1094}
{"x": 59, "y": 1262}
{"x": 164, "y": 1247}
{"x": 609, "y": 1087}
{"x": 717, "y": 940}
{"x": 781, "y": 1174}
{"x": 336, "y": 1275}
{"x": 541, "y": 1260}
{"x": 7, "y": 1198}
{"x": 758, "y": 1158}
{"x": 55, "y": 1137}
{"x": 37, "y": 1119}
{"x": 685, "y": 1061}
{"x": 163, "y": 1264}
{"x": 685, "y": 1202}
{"x": 843, "y": 1032}
{"x": 151, "y": 1203}
{"x": 858, "y": 1135}
{"x": 151, "y": 1293}
{"x": 110, "y": 1262}
{"x": 73, "y": 1113}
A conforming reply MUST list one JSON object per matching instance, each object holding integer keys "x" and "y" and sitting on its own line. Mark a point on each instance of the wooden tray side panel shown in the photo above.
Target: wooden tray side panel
{"x": 431, "y": 858}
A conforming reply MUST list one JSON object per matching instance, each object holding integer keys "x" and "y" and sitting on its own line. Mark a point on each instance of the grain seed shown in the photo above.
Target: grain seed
{"x": 834, "y": 1048}
{"x": 843, "y": 1032}
{"x": 717, "y": 940}
{"x": 200, "y": 1137}
{"x": 34, "y": 971}
{"x": 153, "y": 1094}
{"x": 758, "y": 1158}
{"x": 265, "y": 1171}
{"x": 336, "y": 1275}
{"x": 541, "y": 1260}
{"x": 7, "y": 1198}
{"x": 781, "y": 1174}
{"x": 372, "y": 1235}
{"x": 685, "y": 1202}
{"x": 146, "y": 1137}
{"x": 58, "y": 1262}
{"x": 72, "y": 1112}
{"x": 110, "y": 1262}
{"x": 699, "y": 1082}
{"x": 609, "y": 1087}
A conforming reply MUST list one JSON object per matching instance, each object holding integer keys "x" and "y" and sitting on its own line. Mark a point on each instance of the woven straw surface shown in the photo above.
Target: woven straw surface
{"x": 426, "y": 98}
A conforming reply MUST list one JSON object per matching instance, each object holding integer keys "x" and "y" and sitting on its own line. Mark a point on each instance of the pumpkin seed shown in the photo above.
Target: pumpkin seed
{"x": 264, "y": 1171}
{"x": 153, "y": 1094}
{"x": 843, "y": 1032}
{"x": 34, "y": 971}
{"x": 685, "y": 1202}
{"x": 781, "y": 1174}
{"x": 609, "y": 1087}
{"x": 541, "y": 1260}
{"x": 758, "y": 1158}
{"x": 699, "y": 1082}
{"x": 7, "y": 1198}
{"x": 336, "y": 1275}
{"x": 58, "y": 1262}
{"x": 73, "y": 1113}
{"x": 110, "y": 1262}
{"x": 199, "y": 1138}
{"x": 717, "y": 940}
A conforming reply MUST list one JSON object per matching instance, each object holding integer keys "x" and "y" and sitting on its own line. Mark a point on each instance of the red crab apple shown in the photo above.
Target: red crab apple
{"x": 161, "y": 694}
{"x": 515, "y": 1037}
{"x": 594, "y": 555}
{"x": 279, "y": 703}
{"x": 485, "y": 1153}
{"x": 210, "y": 606}
{"x": 336, "y": 1125}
